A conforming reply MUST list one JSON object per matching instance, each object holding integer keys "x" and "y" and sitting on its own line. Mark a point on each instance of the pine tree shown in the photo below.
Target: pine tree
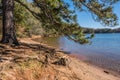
{"x": 55, "y": 14}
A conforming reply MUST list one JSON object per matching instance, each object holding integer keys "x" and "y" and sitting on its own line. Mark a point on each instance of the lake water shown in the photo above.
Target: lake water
{"x": 104, "y": 49}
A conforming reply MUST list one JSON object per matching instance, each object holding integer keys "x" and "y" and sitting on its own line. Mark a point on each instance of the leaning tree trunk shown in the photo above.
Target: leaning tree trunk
{"x": 8, "y": 30}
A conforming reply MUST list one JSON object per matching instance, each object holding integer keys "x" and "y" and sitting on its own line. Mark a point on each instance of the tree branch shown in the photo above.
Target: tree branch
{"x": 26, "y": 7}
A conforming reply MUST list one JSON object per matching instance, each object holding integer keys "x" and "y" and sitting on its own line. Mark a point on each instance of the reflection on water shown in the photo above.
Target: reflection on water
{"x": 104, "y": 50}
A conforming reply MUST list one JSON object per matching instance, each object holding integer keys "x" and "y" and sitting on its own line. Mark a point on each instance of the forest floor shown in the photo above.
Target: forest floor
{"x": 35, "y": 61}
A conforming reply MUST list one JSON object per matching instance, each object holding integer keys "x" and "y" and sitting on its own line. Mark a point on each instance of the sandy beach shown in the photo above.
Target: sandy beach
{"x": 73, "y": 70}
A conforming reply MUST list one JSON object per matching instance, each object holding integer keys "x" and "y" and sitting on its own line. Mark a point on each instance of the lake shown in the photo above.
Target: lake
{"x": 103, "y": 51}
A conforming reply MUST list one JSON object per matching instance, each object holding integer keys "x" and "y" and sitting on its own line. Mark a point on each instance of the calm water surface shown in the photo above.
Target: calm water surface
{"x": 104, "y": 50}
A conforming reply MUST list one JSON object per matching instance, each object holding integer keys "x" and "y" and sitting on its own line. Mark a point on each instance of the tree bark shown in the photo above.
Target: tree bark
{"x": 8, "y": 29}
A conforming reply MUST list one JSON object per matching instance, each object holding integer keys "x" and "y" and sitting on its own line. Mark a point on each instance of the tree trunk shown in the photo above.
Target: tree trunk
{"x": 8, "y": 30}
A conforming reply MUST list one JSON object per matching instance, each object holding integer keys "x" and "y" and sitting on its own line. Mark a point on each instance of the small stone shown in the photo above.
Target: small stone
{"x": 106, "y": 72}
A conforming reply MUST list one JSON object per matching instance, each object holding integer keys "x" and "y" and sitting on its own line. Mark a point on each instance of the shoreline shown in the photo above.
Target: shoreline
{"x": 84, "y": 60}
{"x": 104, "y": 69}
{"x": 92, "y": 70}
{"x": 29, "y": 62}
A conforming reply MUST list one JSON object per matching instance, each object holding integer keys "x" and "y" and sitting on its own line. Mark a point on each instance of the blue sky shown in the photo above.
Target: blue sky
{"x": 29, "y": 0}
{"x": 85, "y": 18}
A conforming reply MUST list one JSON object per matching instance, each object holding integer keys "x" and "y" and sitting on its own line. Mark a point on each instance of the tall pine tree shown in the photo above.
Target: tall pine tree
{"x": 55, "y": 14}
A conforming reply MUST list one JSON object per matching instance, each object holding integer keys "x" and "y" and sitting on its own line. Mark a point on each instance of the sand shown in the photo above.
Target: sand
{"x": 75, "y": 69}
{"x": 85, "y": 71}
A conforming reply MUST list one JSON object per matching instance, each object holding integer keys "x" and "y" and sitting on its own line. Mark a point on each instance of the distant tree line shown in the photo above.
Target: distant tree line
{"x": 103, "y": 30}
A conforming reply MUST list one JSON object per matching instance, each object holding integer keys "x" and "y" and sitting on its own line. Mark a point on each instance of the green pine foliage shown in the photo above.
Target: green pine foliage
{"x": 25, "y": 21}
{"x": 53, "y": 17}
{"x": 63, "y": 20}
